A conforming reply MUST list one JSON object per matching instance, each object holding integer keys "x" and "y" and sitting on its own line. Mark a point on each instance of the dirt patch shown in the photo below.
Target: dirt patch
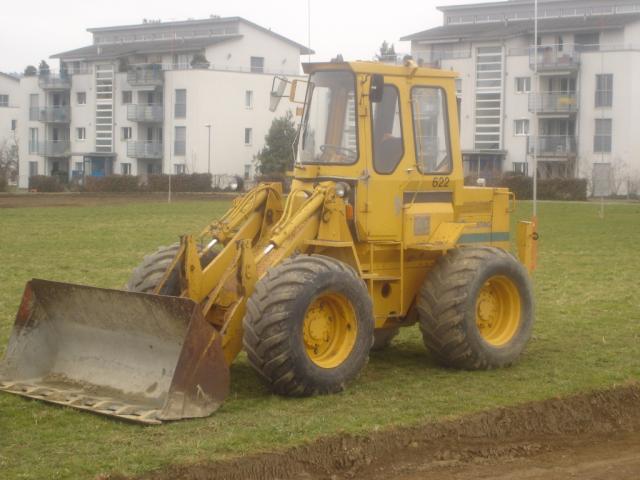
{"x": 25, "y": 200}
{"x": 504, "y": 436}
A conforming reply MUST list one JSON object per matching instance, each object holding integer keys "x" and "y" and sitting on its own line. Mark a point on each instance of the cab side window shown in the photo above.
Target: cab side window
{"x": 388, "y": 145}
{"x": 431, "y": 130}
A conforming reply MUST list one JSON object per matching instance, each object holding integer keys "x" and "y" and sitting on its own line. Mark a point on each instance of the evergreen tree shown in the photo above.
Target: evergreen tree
{"x": 277, "y": 155}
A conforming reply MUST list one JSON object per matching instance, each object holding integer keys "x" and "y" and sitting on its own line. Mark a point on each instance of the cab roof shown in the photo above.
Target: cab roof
{"x": 379, "y": 67}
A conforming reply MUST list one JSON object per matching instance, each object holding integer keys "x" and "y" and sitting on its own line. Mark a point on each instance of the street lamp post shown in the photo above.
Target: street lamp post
{"x": 208, "y": 126}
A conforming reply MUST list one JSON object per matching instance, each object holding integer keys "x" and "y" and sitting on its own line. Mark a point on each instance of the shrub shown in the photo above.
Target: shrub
{"x": 44, "y": 183}
{"x": 551, "y": 189}
{"x": 194, "y": 182}
{"x": 112, "y": 183}
{"x": 3, "y": 183}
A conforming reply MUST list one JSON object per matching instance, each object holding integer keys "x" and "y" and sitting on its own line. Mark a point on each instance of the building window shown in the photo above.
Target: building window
{"x": 79, "y": 167}
{"x": 248, "y": 136}
{"x": 248, "y": 99}
{"x": 181, "y": 103}
{"x": 257, "y": 64}
{"x": 587, "y": 42}
{"x": 4, "y": 100}
{"x": 179, "y": 168}
{"x": 520, "y": 168}
{"x": 180, "y": 141}
{"x": 81, "y": 133}
{"x": 459, "y": 87}
{"x": 14, "y": 125}
{"x": 523, "y": 84}
{"x": 602, "y": 139}
{"x": 33, "y": 140}
{"x": 604, "y": 90}
{"x": 126, "y": 133}
{"x": 33, "y": 169}
{"x": 34, "y": 107}
{"x": 125, "y": 168}
{"x": 81, "y": 98}
{"x": 521, "y": 128}
{"x": 127, "y": 97}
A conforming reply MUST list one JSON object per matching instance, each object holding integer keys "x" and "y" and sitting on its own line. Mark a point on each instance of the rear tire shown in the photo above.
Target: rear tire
{"x": 476, "y": 309}
{"x": 309, "y": 326}
{"x": 146, "y": 276}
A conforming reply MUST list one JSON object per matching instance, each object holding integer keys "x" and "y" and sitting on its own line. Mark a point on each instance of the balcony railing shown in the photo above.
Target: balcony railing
{"x": 54, "y": 148}
{"x": 140, "y": 75}
{"x": 55, "y": 82}
{"x": 57, "y": 114}
{"x": 553, "y": 102}
{"x": 144, "y": 149}
{"x": 554, "y": 145}
{"x": 554, "y": 57}
{"x": 145, "y": 113}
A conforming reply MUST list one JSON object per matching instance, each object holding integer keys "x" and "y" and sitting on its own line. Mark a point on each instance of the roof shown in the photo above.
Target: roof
{"x": 115, "y": 50}
{"x": 304, "y": 50}
{"x": 378, "y": 67}
{"x": 10, "y": 77}
{"x": 486, "y": 31}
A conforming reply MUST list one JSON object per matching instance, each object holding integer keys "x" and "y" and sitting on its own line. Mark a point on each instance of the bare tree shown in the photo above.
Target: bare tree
{"x": 9, "y": 160}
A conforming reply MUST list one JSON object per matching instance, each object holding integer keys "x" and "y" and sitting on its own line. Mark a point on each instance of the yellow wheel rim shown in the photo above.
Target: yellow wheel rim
{"x": 329, "y": 330}
{"x": 498, "y": 312}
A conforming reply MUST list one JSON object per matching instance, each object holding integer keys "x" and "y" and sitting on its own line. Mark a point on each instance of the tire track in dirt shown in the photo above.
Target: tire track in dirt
{"x": 535, "y": 430}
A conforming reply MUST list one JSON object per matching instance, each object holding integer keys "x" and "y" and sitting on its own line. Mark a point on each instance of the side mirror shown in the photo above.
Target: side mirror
{"x": 377, "y": 88}
{"x": 278, "y": 87}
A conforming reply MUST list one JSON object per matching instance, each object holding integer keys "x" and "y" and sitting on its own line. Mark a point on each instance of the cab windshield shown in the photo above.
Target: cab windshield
{"x": 328, "y": 132}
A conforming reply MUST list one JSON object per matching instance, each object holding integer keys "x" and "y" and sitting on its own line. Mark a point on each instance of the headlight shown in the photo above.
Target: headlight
{"x": 342, "y": 189}
{"x": 233, "y": 186}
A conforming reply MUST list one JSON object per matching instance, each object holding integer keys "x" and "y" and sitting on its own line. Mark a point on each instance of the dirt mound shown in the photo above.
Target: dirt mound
{"x": 501, "y": 434}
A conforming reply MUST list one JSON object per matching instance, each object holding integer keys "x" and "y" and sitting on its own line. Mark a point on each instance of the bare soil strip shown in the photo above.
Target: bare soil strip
{"x": 591, "y": 435}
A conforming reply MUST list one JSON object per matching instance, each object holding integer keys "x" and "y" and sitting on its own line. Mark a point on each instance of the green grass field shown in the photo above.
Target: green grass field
{"x": 587, "y": 335}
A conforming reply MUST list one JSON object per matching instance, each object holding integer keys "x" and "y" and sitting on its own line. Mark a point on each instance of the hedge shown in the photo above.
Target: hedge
{"x": 3, "y": 183}
{"x": 195, "y": 182}
{"x": 550, "y": 189}
{"x": 44, "y": 183}
{"x": 112, "y": 183}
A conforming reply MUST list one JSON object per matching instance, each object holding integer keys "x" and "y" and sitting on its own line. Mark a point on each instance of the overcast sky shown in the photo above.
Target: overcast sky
{"x": 35, "y": 29}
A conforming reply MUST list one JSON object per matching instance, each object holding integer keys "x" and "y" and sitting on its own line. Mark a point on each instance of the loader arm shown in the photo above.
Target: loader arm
{"x": 223, "y": 287}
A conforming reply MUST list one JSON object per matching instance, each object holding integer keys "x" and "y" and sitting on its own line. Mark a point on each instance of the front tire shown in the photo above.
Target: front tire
{"x": 309, "y": 326}
{"x": 476, "y": 309}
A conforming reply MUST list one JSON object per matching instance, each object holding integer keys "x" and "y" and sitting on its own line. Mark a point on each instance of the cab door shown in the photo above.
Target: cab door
{"x": 386, "y": 176}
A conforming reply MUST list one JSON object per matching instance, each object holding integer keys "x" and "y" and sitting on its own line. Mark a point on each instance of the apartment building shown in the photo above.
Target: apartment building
{"x": 9, "y": 109}
{"x": 584, "y": 97}
{"x": 171, "y": 97}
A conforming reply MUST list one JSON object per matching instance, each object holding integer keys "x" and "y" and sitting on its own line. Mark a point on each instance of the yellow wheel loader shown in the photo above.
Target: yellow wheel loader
{"x": 378, "y": 232}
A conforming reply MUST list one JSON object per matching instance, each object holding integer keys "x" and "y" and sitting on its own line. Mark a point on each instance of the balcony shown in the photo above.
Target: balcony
{"x": 55, "y": 82}
{"x": 554, "y": 57}
{"x": 553, "y": 102}
{"x": 144, "y": 149}
{"x": 58, "y": 114}
{"x": 145, "y": 75}
{"x": 560, "y": 146}
{"x": 149, "y": 113}
{"x": 54, "y": 148}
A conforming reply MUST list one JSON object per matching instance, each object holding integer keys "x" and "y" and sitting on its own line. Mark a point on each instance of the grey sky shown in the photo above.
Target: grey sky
{"x": 34, "y": 29}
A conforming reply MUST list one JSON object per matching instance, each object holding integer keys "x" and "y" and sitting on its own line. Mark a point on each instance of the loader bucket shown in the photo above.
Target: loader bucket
{"x": 140, "y": 357}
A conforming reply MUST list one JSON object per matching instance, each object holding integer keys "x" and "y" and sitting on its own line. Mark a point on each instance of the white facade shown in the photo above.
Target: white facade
{"x": 149, "y": 106}
{"x": 9, "y": 110}
{"x": 580, "y": 42}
